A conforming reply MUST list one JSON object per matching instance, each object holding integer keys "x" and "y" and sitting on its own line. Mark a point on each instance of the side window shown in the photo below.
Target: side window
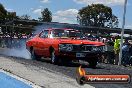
{"x": 44, "y": 34}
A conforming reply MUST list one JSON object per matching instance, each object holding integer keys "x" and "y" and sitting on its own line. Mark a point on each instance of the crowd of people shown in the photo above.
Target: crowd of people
{"x": 15, "y": 40}
{"x": 15, "y": 35}
{"x": 112, "y": 51}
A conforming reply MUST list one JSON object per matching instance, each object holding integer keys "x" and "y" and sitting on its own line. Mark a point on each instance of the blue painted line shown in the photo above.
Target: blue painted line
{"x": 7, "y": 81}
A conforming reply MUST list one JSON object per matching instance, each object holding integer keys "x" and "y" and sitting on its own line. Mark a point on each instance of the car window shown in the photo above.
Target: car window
{"x": 44, "y": 34}
{"x": 66, "y": 33}
{"x": 59, "y": 33}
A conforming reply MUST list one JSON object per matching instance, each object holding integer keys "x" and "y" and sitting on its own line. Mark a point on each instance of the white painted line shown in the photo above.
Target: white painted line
{"x": 21, "y": 79}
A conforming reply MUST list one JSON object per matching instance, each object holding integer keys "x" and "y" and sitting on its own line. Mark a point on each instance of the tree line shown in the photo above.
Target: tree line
{"x": 97, "y": 15}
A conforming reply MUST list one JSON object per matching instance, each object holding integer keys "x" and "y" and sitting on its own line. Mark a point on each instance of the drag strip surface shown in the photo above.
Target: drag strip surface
{"x": 70, "y": 70}
{"x": 42, "y": 77}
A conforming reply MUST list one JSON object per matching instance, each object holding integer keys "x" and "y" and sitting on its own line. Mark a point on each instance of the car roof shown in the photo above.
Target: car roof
{"x": 59, "y": 29}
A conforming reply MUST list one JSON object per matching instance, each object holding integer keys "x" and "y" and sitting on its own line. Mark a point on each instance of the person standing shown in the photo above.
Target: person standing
{"x": 130, "y": 50}
{"x": 126, "y": 53}
{"x": 116, "y": 49}
{"x": 110, "y": 52}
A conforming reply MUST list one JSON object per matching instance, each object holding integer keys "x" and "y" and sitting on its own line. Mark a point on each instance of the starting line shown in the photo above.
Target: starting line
{"x": 8, "y": 80}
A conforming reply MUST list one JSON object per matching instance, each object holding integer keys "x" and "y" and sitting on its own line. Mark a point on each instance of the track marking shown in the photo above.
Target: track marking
{"x": 20, "y": 79}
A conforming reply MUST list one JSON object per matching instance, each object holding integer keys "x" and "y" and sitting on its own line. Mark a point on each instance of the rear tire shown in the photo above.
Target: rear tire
{"x": 34, "y": 56}
{"x": 54, "y": 58}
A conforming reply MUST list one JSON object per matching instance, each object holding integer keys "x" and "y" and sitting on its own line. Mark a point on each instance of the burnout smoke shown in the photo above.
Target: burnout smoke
{"x": 18, "y": 53}
{"x": 15, "y": 47}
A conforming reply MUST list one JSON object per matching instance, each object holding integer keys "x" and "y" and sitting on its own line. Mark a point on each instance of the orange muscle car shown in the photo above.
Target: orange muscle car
{"x": 64, "y": 45}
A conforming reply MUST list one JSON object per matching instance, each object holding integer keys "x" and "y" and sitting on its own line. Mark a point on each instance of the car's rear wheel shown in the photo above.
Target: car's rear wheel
{"x": 34, "y": 56}
{"x": 54, "y": 58}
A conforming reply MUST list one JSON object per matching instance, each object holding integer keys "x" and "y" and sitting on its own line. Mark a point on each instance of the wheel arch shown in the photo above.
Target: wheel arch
{"x": 31, "y": 48}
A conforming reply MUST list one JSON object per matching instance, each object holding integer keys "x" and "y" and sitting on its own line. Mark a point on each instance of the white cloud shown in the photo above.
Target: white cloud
{"x": 129, "y": 26}
{"x": 10, "y": 10}
{"x": 45, "y": 1}
{"x": 37, "y": 11}
{"x": 62, "y": 19}
{"x": 62, "y": 16}
{"x": 41, "y": 7}
{"x": 106, "y": 2}
{"x": 31, "y": 8}
{"x": 66, "y": 16}
{"x": 69, "y": 12}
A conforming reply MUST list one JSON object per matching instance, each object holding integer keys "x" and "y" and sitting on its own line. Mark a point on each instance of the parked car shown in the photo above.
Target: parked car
{"x": 64, "y": 45}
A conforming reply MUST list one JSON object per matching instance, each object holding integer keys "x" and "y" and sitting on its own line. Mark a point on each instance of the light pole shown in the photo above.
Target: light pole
{"x": 122, "y": 32}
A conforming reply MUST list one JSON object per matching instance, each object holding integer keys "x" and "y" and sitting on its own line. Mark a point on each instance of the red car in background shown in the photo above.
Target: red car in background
{"x": 63, "y": 45}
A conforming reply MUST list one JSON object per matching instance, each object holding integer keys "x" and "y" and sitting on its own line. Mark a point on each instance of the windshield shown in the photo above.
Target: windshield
{"x": 68, "y": 33}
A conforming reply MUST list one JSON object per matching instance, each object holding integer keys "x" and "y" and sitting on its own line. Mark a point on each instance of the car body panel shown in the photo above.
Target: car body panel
{"x": 41, "y": 46}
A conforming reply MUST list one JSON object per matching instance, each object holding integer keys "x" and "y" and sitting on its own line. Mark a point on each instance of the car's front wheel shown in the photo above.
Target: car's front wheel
{"x": 54, "y": 58}
{"x": 34, "y": 56}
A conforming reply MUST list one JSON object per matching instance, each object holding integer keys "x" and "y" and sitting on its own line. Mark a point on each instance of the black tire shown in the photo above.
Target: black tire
{"x": 54, "y": 58}
{"x": 34, "y": 56}
{"x": 93, "y": 63}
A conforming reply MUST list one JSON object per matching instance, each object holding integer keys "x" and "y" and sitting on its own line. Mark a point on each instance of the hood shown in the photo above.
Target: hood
{"x": 76, "y": 41}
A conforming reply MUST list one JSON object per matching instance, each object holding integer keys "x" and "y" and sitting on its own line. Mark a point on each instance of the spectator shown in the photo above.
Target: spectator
{"x": 130, "y": 50}
{"x": 126, "y": 53}
{"x": 116, "y": 49}
{"x": 110, "y": 52}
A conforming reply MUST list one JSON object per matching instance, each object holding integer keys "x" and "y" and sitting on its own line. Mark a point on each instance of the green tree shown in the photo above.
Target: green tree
{"x": 11, "y": 16}
{"x": 97, "y": 15}
{"x": 3, "y": 13}
{"x": 40, "y": 19}
{"x": 46, "y": 15}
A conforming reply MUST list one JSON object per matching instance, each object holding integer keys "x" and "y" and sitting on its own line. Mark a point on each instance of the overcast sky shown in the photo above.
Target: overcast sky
{"x": 65, "y": 11}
